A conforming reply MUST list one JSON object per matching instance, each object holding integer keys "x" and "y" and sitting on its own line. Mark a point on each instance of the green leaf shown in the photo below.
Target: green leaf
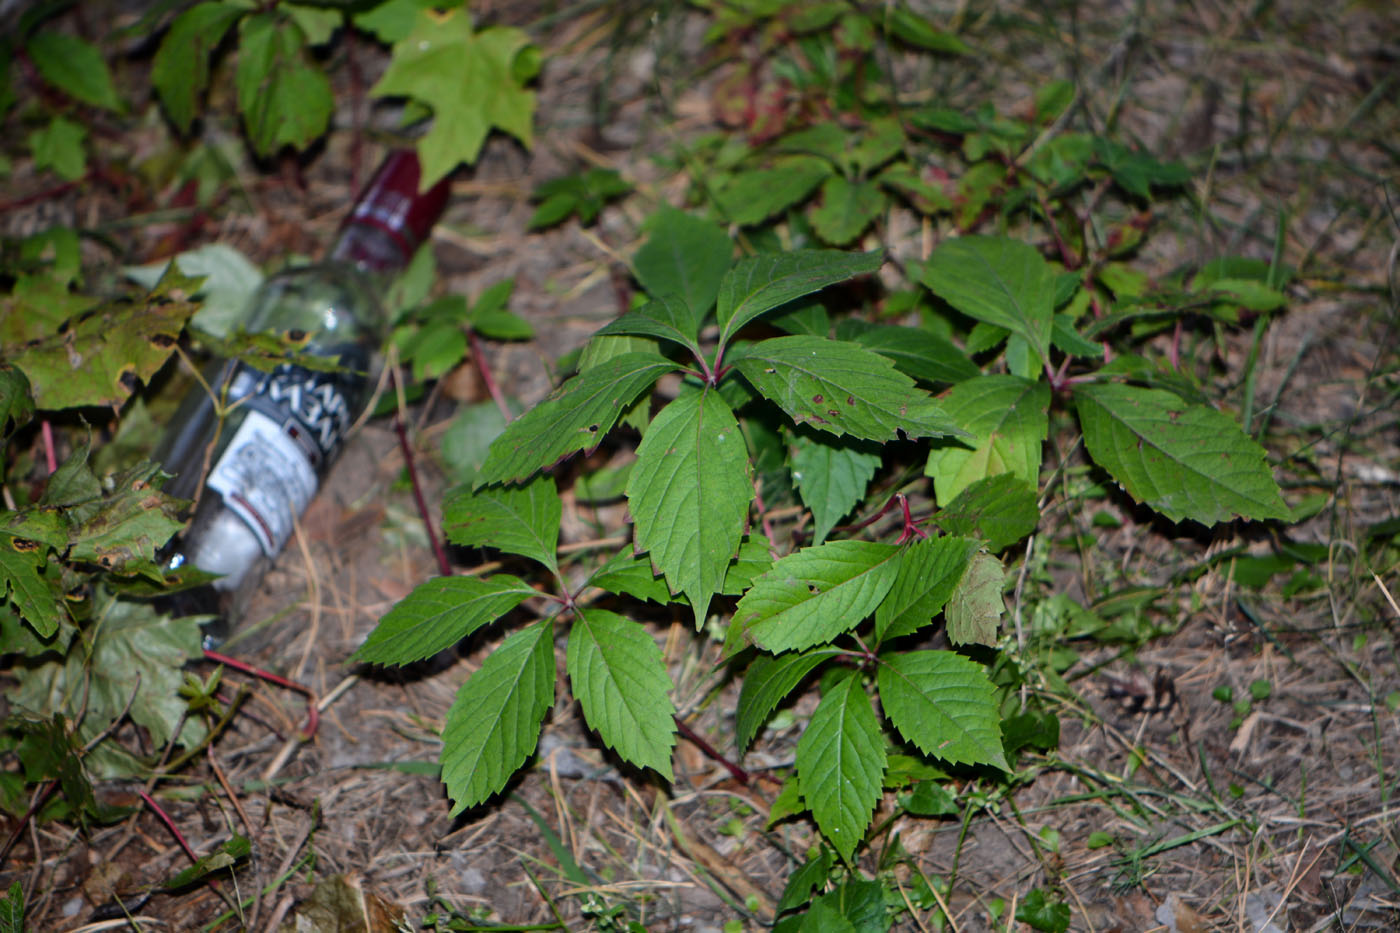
{"x": 134, "y": 656}
{"x": 225, "y": 856}
{"x": 753, "y": 196}
{"x": 494, "y": 723}
{"x": 919, "y": 353}
{"x": 229, "y": 280}
{"x": 764, "y": 282}
{"x": 629, "y": 574}
{"x": 468, "y": 79}
{"x": 468, "y": 438}
{"x": 16, "y": 402}
{"x": 392, "y": 20}
{"x": 667, "y": 318}
{"x": 766, "y": 683}
{"x": 1007, "y": 416}
{"x": 825, "y": 917}
{"x": 1185, "y": 461}
{"x": 285, "y": 99}
{"x": 800, "y": 884}
{"x": 689, "y": 494}
{"x": 180, "y": 71}
{"x": 575, "y": 417}
{"x": 59, "y": 146}
{"x": 840, "y": 760}
{"x": 12, "y": 909}
{"x": 38, "y": 600}
{"x": 831, "y": 478}
{"x": 908, "y": 26}
{"x": 842, "y": 388}
{"x": 619, "y": 677}
{"x": 944, "y": 704}
{"x": 520, "y": 520}
{"x": 438, "y": 614}
{"x": 73, "y": 66}
{"x": 684, "y": 257}
{"x": 809, "y": 597}
{"x": 976, "y": 606}
{"x": 754, "y": 558}
{"x": 1137, "y": 172}
{"x": 999, "y": 281}
{"x": 1000, "y": 510}
{"x": 1040, "y": 913}
{"x": 121, "y": 528}
{"x": 318, "y": 25}
{"x": 846, "y": 209}
{"x": 929, "y": 571}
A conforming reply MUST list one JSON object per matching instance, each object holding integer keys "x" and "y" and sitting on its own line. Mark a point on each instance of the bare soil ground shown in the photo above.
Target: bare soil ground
{"x": 1164, "y": 807}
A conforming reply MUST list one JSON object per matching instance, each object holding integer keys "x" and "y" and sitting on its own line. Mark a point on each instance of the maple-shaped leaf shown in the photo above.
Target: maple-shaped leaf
{"x": 102, "y": 356}
{"x": 472, "y": 81}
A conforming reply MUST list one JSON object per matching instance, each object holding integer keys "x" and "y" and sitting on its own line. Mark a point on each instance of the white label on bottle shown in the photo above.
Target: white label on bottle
{"x": 265, "y": 480}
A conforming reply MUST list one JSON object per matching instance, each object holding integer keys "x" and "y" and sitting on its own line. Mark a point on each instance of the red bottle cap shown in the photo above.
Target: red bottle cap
{"x": 392, "y": 203}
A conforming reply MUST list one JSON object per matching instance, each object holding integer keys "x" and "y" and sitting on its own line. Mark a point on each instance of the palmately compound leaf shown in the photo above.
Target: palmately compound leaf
{"x": 620, "y": 679}
{"x": 944, "y": 704}
{"x": 831, "y": 477}
{"x": 809, "y": 597}
{"x": 976, "y": 606}
{"x": 766, "y": 683}
{"x": 999, "y": 281}
{"x": 1007, "y": 415}
{"x": 472, "y": 81}
{"x": 929, "y": 571}
{"x": 684, "y": 257}
{"x": 761, "y": 283}
{"x": 520, "y": 520}
{"x": 840, "y": 761}
{"x": 494, "y": 723}
{"x": 438, "y": 614}
{"x": 1184, "y": 460}
{"x": 689, "y": 494}
{"x": 842, "y": 388}
{"x": 284, "y": 96}
{"x": 575, "y": 417}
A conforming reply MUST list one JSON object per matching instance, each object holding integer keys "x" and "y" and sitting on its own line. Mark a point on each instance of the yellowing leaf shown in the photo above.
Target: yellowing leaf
{"x": 469, "y": 79}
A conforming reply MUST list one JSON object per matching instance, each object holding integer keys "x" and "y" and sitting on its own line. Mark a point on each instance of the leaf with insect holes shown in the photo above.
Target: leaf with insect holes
{"x": 689, "y": 494}
{"x": 761, "y": 283}
{"x": 842, "y": 388}
{"x": 976, "y": 606}
{"x": 619, "y": 677}
{"x": 1007, "y": 416}
{"x": 840, "y": 761}
{"x": 471, "y": 81}
{"x": 809, "y": 597}
{"x": 180, "y": 69}
{"x": 929, "y": 570}
{"x": 831, "y": 477}
{"x": 520, "y": 520}
{"x": 576, "y": 416}
{"x": 438, "y": 614}
{"x": 16, "y": 402}
{"x": 284, "y": 96}
{"x": 494, "y": 723}
{"x": 944, "y": 704}
{"x": 684, "y": 257}
{"x": 766, "y": 683}
{"x": 1184, "y": 460}
{"x": 999, "y": 281}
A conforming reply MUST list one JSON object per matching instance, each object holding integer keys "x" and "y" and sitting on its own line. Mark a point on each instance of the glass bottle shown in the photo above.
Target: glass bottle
{"x": 282, "y": 429}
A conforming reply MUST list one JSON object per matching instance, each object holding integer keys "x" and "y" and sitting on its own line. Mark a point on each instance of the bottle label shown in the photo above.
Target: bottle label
{"x": 269, "y": 471}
